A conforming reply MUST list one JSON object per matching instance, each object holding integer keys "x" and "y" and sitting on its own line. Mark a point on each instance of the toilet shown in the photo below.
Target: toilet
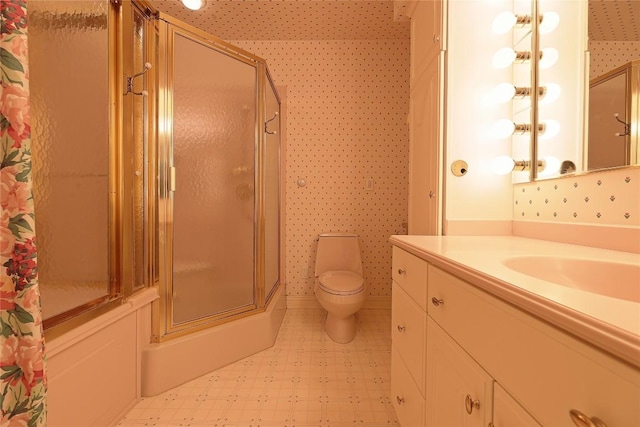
{"x": 339, "y": 285}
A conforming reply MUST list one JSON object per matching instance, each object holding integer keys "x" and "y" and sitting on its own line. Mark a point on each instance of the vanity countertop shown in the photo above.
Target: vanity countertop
{"x": 609, "y": 323}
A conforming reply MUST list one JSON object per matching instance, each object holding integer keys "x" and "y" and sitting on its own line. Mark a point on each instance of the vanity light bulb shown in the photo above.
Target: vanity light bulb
{"x": 551, "y": 95}
{"x": 550, "y": 166}
{"x": 502, "y": 165}
{"x": 193, "y": 4}
{"x": 504, "y": 22}
{"x": 502, "y": 93}
{"x": 503, "y": 58}
{"x": 550, "y": 21}
{"x": 549, "y": 57}
{"x": 552, "y": 129}
{"x": 503, "y": 128}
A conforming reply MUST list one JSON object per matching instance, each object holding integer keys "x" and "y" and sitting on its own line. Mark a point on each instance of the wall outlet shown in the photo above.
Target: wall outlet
{"x": 368, "y": 185}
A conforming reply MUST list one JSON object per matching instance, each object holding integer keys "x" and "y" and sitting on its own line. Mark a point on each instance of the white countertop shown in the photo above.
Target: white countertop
{"x": 609, "y": 323}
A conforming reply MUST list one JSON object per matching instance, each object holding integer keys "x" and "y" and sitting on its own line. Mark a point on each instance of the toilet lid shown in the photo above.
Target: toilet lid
{"x": 341, "y": 282}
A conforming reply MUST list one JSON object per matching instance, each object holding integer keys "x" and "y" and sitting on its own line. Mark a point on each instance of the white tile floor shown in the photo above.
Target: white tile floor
{"x": 305, "y": 379}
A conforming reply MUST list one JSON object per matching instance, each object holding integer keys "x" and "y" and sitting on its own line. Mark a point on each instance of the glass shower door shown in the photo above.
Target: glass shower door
{"x": 214, "y": 145}
{"x": 272, "y": 190}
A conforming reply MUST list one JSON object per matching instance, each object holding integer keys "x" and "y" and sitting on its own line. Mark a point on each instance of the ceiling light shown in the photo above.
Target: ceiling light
{"x": 193, "y": 4}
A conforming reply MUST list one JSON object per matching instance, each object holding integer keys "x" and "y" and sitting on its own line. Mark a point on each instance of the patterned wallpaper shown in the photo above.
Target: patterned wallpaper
{"x": 606, "y": 56}
{"x": 610, "y": 197}
{"x": 347, "y": 107}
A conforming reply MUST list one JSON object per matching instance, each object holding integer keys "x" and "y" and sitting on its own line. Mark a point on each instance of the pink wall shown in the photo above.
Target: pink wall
{"x": 347, "y": 102}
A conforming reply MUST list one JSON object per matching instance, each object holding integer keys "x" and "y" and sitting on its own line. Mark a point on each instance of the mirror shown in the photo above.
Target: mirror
{"x": 614, "y": 46}
{"x": 597, "y": 41}
{"x": 611, "y": 111}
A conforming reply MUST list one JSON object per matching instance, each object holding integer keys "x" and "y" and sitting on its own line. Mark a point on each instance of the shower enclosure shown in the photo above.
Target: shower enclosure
{"x": 218, "y": 127}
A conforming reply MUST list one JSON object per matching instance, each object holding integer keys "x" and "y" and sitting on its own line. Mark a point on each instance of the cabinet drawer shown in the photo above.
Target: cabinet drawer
{"x": 408, "y": 328}
{"x": 410, "y": 272}
{"x": 455, "y": 381}
{"x": 406, "y": 398}
{"x": 547, "y": 370}
{"x": 508, "y": 412}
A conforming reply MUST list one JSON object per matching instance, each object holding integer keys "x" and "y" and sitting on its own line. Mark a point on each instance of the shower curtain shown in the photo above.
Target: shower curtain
{"x": 23, "y": 382}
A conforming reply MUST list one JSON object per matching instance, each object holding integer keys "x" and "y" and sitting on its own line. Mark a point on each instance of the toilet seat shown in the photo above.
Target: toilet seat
{"x": 341, "y": 282}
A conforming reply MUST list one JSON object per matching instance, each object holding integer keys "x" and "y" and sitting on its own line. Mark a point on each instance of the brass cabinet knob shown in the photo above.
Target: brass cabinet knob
{"x": 581, "y": 420}
{"x": 437, "y": 301}
{"x": 401, "y": 328}
{"x": 402, "y": 271}
{"x": 400, "y": 400}
{"x": 470, "y": 404}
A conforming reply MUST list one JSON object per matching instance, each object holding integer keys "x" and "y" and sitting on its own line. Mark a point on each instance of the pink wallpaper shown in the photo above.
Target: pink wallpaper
{"x": 347, "y": 107}
{"x": 606, "y": 56}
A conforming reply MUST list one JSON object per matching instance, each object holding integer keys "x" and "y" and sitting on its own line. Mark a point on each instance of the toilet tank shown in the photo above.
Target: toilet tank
{"x": 338, "y": 252}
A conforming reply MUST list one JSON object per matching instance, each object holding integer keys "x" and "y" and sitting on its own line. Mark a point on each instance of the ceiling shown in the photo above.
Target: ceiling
{"x": 292, "y": 20}
{"x": 609, "y": 20}
{"x": 614, "y": 20}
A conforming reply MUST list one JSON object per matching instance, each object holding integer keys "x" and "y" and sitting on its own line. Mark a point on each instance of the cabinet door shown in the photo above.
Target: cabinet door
{"x": 426, "y": 35}
{"x": 425, "y": 140}
{"x": 459, "y": 391}
{"x": 507, "y": 412}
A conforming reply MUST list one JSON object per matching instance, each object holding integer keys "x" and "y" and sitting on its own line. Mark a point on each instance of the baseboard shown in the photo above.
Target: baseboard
{"x": 310, "y": 302}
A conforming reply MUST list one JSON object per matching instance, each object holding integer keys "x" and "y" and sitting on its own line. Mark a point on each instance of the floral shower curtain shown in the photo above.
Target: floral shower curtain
{"x": 23, "y": 382}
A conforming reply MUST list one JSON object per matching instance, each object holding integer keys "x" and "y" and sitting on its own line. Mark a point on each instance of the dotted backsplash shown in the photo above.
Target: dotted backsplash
{"x": 609, "y": 197}
{"x": 605, "y": 56}
{"x": 347, "y": 107}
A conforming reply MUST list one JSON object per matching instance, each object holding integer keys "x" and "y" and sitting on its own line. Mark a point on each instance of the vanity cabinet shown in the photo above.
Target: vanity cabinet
{"x": 408, "y": 332}
{"x": 488, "y": 362}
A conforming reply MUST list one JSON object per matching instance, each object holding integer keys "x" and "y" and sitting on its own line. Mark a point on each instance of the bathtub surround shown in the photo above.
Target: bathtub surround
{"x": 101, "y": 356}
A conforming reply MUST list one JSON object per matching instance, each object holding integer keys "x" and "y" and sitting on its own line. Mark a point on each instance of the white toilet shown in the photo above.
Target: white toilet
{"x": 339, "y": 284}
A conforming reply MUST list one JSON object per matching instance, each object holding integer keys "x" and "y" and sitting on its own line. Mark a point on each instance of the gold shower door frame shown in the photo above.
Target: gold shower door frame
{"x": 163, "y": 324}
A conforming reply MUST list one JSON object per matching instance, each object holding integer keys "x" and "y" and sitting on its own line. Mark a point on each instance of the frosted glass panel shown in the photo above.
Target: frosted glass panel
{"x": 272, "y": 194}
{"x": 213, "y": 147}
{"x": 139, "y": 138}
{"x": 68, "y": 53}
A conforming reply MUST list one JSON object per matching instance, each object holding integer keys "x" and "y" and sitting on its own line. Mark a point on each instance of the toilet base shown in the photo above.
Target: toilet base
{"x": 340, "y": 329}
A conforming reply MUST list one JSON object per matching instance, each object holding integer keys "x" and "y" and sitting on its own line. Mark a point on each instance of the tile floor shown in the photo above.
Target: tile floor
{"x": 305, "y": 379}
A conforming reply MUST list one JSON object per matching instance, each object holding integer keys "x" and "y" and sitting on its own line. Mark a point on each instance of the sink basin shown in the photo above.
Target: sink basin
{"x": 612, "y": 279}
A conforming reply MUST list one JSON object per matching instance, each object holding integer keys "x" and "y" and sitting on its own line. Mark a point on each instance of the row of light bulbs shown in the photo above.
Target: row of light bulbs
{"x": 506, "y": 92}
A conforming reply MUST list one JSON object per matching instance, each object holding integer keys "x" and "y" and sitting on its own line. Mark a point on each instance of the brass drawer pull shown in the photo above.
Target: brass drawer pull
{"x": 401, "y": 328}
{"x": 402, "y": 271}
{"x": 581, "y": 420}
{"x": 470, "y": 404}
{"x": 400, "y": 400}
{"x": 437, "y": 301}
